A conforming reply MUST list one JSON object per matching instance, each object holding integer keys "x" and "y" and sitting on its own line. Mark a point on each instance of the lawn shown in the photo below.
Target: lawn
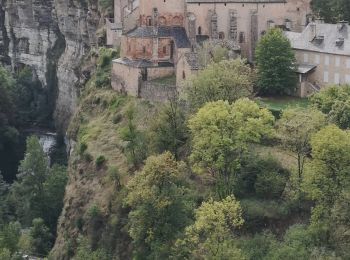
{"x": 280, "y": 103}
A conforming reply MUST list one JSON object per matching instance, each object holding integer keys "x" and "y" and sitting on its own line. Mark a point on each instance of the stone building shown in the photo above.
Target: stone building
{"x": 323, "y": 55}
{"x": 160, "y": 37}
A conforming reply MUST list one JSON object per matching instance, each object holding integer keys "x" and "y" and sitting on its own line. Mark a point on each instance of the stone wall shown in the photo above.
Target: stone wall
{"x": 157, "y": 91}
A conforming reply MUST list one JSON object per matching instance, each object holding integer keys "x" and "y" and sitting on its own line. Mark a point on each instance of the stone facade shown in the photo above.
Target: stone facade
{"x": 166, "y": 33}
{"x": 323, "y": 54}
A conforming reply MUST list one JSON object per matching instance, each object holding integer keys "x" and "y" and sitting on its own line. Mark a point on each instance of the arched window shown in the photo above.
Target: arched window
{"x": 199, "y": 30}
{"x": 183, "y": 75}
{"x": 149, "y": 21}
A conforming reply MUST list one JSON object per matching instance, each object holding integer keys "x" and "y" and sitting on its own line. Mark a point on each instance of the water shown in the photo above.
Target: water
{"x": 48, "y": 141}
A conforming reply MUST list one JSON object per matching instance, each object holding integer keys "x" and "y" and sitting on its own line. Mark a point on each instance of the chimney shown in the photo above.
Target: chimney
{"x": 312, "y": 31}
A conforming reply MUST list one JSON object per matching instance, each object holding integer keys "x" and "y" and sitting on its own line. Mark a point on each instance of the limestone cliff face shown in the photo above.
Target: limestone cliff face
{"x": 51, "y": 37}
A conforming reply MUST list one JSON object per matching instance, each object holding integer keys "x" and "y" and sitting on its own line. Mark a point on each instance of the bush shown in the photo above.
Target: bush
{"x": 94, "y": 211}
{"x": 270, "y": 184}
{"x": 88, "y": 157}
{"x": 100, "y": 161}
{"x": 82, "y": 148}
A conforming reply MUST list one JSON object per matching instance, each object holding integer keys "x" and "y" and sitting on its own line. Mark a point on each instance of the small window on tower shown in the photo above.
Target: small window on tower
{"x": 144, "y": 49}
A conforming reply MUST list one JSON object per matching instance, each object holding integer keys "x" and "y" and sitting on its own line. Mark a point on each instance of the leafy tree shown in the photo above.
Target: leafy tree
{"x": 332, "y": 10}
{"x": 27, "y": 192}
{"x": 39, "y": 190}
{"x": 275, "y": 61}
{"x": 326, "y": 174}
{"x": 340, "y": 223}
{"x": 9, "y": 236}
{"x": 41, "y": 238}
{"x": 160, "y": 206}
{"x": 211, "y": 235}
{"x": 220, "y": 136}
{"x": 169, "y": 131}
{"x": 226, "y": 80}
{"x": 295, "y": 129}
{"x": 134, "y": 138}
{"x": 211, "y": 52}
{"x": 334, "y": 101}
{"x": 84, "y": 252}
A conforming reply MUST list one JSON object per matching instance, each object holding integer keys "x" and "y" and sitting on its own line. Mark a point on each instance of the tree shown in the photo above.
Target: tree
{"x": 28, "y": 191}
{"x": 41, "y": 238}
{"x": 211, "y": 236}
{"x": 226, "y": 80}
{"x": 169, "y": 132}
{"x": 211, "y": 52}
{"x": 135, "y": 143}
{"x": 9, "y": 236}
{"x": 160, "y": 207}
{"x": 332, "y": 10}
{"x": 295, "y": 129}
{"x": 334, "y": 101}
{"x": 220, "y": 136}
{"x": 326, "y": 174}
{"x": 276, "y": 64}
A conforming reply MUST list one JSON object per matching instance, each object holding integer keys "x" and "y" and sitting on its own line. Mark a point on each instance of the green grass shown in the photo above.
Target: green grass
{"x": 166, "y": 80}
{"x": 280, "y": 103}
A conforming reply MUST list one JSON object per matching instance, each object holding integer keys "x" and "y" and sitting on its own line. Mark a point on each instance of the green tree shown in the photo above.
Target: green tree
{"x": 326, "y": 174}
{"x": 41, "y": 238}
{"x": 334, "y": 101}
{"x": 134, "y": 138}
{"x": 226, "y": 80}
{"x": 220, "y": 136}
{"x": 276, "y": 64}
{"x": 295, "y": 129}
{"x": 332, "y": 10}
{"x": 160, "y": 206}
{"x": 169, "y": 132}
{"x": 27, "y": 192}
{"x": 211, "y": 236}
{"x": 9, "y": 236}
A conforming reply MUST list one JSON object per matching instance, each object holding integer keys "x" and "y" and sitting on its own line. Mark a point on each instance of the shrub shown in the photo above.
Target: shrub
{"x": 88, "y": 157}
{"x": 270, "y": 184}
{"x": 82, "y": 148}
{"x": 100, "y": 161}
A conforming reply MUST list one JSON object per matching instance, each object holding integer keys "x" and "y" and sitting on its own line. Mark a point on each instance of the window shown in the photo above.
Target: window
{"x": 336, "y": 78}
{"x": 183, "y": 75}
{"x": 164, "y": 49}
{"x": 306, "y": 57}
{"x": 325, "y": 76}
{"x": 337, "y": 61}
{"x": 221, "y": 35}
{"x": 149, "y": 21}
{"x": 347, "y": 79}
{"x": 199, "y": 30}
{"x": 317, "y": 59}
{"x": 144, "y": 49}
{"x": 241, "y": 37}
{"x": 326, "y": 60}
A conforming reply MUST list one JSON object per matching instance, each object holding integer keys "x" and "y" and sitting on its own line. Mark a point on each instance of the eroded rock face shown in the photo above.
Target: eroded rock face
{"x": 51, "y": 37}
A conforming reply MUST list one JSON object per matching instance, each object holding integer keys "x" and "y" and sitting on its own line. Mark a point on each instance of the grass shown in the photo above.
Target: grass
{"x": 280, "y": 103}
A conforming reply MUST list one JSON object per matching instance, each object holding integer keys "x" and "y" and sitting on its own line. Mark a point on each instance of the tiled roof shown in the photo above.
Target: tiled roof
{"x": 178, "y": 33}
{"x": 322, "y": 37}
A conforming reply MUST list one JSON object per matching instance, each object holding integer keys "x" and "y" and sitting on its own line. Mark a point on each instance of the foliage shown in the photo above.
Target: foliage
{"x": 160, "y": 206}
{"x": 332, "y": 10}
{"x": 295, "y": 129}
{"x": 211, "y": 52}
{"x": 334, "y": 101}
{"x": 226, "y": 80}
{"x": 9, "y": 236}
{"x": 135, "y": 140}
{"x": 168, "y": 131}
{"x": 39, "y": 189}
{"x": 220, "y": 136}
{"x": 41, "y": 238}
{"x": 275, "y": 64}
{"x": 84, "y": 252}
{"x": 100, "y": 161}
{"x": 326, "y": 174}
{"x": 211, "y": 235}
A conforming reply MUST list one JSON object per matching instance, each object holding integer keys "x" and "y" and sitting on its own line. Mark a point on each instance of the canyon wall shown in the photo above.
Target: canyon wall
{"x": 51, "y": 37}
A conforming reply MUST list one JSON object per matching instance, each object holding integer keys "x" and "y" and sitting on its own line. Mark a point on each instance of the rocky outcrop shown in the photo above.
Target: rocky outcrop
{"x": 51, "y": 37}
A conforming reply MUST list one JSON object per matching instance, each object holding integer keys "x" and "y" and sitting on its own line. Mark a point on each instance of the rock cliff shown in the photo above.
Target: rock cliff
{"x": 51, "y": 37}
